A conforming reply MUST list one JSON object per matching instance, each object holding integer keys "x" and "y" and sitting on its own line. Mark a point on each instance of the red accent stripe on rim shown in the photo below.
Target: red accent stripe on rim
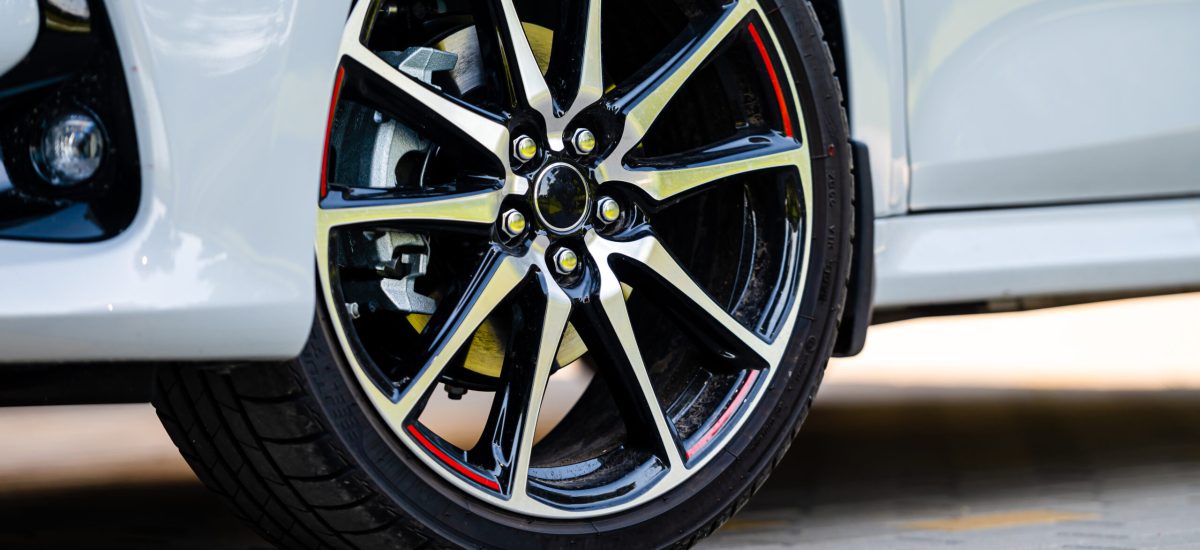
{"x": 458, "y": 466}
{"x": 783, "y": 110}
{"x": 337, "y": 90}
{"x": 725, "y": 416}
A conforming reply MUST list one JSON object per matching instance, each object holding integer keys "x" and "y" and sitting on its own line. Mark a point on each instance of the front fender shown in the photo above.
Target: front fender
{"x": 229, "y": 100}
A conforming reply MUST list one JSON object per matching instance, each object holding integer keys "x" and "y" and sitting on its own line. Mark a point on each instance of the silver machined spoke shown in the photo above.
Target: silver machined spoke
{"x": 651, "y": 97}
{"x": 650, "y": 252}
{"x": 357, "y": 20}
{"x": 554, "y": 322}
{"x": 612, "y": 300}
{"x": 666, "y": 183}
{"x": 489, "y": 133}
{"x": 591, "y": 80}
{"x": 495, "y": 281}
{"x": 537, "y": 92}
{"x": 591, "y": 70}
{"x": 481, "y": 207}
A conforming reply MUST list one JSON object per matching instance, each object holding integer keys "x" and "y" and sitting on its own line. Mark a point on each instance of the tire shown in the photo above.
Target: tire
{"x": 302, "y": 453}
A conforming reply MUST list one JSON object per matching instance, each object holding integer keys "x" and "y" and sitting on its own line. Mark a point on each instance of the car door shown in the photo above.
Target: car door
{"x": 1028, "y": 102}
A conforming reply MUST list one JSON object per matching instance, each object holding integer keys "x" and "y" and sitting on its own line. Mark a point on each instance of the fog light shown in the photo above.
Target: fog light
{"x": 71, "y": 149}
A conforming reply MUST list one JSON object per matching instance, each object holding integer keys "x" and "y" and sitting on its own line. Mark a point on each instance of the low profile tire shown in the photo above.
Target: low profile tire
{"x": 696, "y": 312}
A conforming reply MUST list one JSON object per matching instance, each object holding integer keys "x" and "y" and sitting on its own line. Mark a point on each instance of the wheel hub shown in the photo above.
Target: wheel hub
{"x": 562, "y": 198}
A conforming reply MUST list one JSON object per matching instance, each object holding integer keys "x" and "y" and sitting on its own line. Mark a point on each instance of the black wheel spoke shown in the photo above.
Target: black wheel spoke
{"x": 500, "y": 31}
{"x": 539, "y": 322}
{"x": 609, "y": 333}
{"x": 475, "y": 208}
{"x": 496, "y": 279}
{"x": 641, "y": 103}
{"x": 539, "y": 352}
{"x": 712, "y": 326}
{"x": 430, "y": 109}
{"x": 576, "y": 65}
{"x": 668, "y": 180}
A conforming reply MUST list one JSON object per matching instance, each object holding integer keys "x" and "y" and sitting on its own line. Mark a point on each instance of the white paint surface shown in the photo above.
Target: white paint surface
{"x": 230, "y": 99}
{"x": 1022, "y": 102}
{"x": 18, "y": 31}
{"x": 1028, "y": 252}
{"x": 874, "y": 43}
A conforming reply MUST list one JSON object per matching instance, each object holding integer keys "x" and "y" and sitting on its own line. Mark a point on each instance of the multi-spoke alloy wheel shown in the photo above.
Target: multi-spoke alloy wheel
{"x": 579, "y": 264}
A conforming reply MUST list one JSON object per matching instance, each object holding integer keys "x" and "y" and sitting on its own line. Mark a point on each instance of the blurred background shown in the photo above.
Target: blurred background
{"x": 1075, "y": 427}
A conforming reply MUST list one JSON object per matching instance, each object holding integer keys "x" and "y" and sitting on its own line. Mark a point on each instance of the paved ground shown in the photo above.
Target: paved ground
{"x": 985, "y": 469}
{"x": 874, "y": 468}
{"x": 968, "y": 433}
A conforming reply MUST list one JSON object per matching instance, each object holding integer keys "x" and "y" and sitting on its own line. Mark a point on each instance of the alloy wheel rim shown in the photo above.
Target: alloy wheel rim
{"x": 526, "y": 263}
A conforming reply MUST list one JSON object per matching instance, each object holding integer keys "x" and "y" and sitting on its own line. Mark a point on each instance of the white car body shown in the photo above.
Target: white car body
{"x": 1030, "y": 149}
{"x": 1019, "y": 150}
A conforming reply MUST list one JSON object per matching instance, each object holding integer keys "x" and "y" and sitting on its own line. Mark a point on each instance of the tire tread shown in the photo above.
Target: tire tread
{"x": 292, "y": 487}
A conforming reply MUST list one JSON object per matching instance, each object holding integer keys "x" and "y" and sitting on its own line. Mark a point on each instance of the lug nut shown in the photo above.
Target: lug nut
{"x": 524, "y": 149}
{"x": 565, "y": 261}
{"x": 514, "y": 223}
{"x": 584, "y": 141}
{"x": 608, "y": 209}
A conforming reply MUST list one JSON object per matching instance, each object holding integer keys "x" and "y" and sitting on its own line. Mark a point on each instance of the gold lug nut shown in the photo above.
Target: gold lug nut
{"x": 524, "y": 149}
{"x": 608, "y": 209}
{"x": 584, "y": 141}
{"x": 514, "y": 223}
{"x": 565, "y": 261}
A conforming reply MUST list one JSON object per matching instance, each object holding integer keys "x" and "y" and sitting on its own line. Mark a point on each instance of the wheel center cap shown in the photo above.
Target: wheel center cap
{"x": 561, "y": 197}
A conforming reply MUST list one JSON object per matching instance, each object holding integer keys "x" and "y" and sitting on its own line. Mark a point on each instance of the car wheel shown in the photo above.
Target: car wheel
{"x": 580, "y": 268}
